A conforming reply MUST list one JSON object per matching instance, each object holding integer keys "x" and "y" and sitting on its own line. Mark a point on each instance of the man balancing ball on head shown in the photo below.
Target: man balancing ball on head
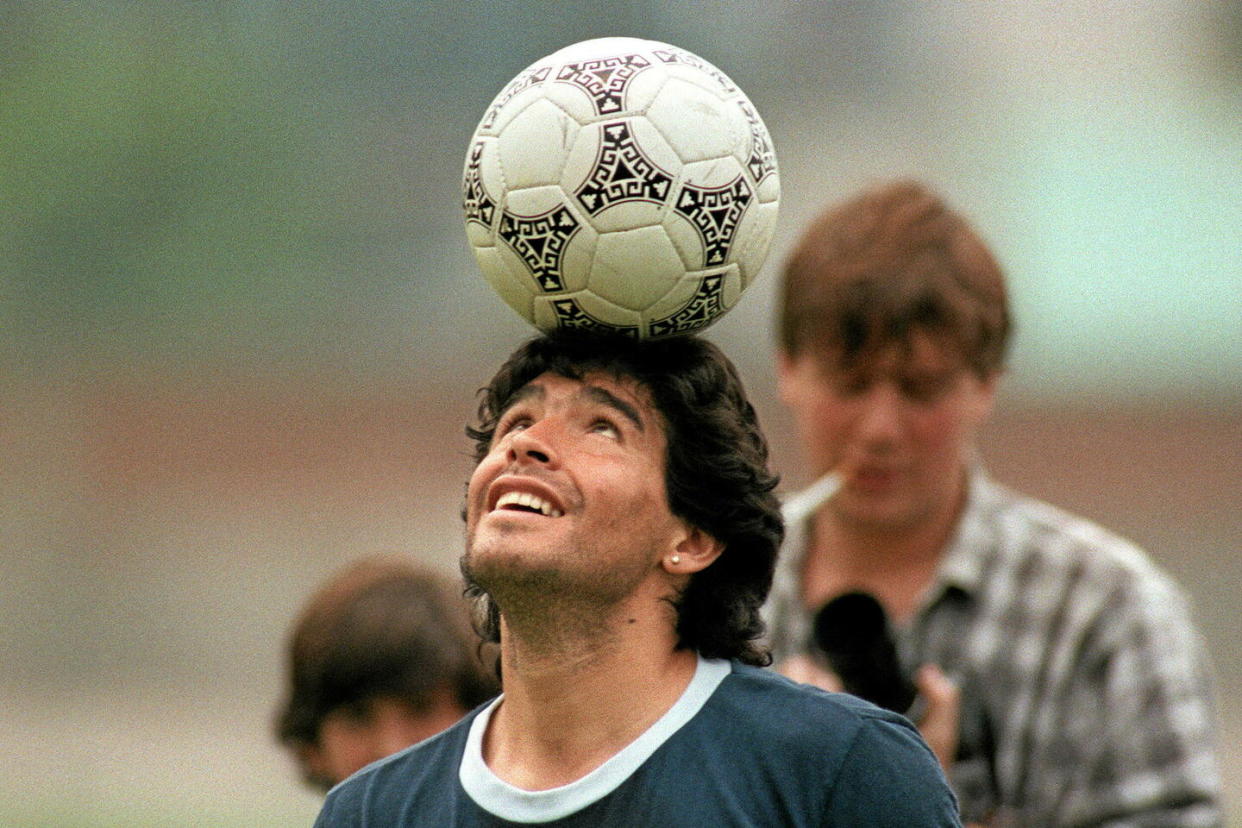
{"x": 621, "y": 533}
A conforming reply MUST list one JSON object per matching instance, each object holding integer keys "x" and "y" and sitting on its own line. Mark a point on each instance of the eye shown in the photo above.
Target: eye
{"x": 851, "y": 385}
{"x": 606, "y": 427}
{"x": 510, "y": 423}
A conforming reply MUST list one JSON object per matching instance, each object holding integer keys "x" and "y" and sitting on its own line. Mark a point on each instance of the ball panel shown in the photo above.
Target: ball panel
{"x": 539, "y": 241}
{"x": 535, "y": 144}
{"x": 603, "y": 79}
{"x": 755, "y": 239}
{"x": 532, "y": 202}
{"x": 674, "y": 57}
{"x": 480, "y": 207}
{"x": 713, "y": 174}
{"x": 578, "y": 255}
{"x": 634, "y": 268}
{"x": 696, "y": 123}
{"x": 760, "y": 157}
{"x": 507, "y": 284}
{"x": 606, "y": 46}
{"x": 492, "y": 121}
{"x": 585, "y": 310}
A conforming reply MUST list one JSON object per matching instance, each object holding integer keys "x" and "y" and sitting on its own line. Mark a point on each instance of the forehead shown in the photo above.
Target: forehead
{"x": 624, "y": 395}
{"x": 920, "y": 352}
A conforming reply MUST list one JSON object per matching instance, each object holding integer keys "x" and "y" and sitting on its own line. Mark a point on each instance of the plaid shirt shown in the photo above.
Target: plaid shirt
{"x": 1086, "y": 696}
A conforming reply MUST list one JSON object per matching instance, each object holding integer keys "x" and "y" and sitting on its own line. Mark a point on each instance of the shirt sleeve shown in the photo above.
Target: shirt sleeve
{"x": 1135, "y": 744}
{"x": 342, "y": 808}
{"x": 891, "y": 779}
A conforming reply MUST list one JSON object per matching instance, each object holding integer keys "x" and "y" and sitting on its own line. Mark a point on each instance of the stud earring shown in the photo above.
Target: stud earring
{"x": 676, "y": 559}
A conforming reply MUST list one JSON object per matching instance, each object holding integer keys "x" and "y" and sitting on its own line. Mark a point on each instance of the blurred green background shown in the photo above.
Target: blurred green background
{"x": 240, "y": 328}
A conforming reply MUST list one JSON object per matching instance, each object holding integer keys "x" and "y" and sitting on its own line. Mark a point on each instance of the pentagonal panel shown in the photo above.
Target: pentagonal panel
{"x": 634, "y": 268}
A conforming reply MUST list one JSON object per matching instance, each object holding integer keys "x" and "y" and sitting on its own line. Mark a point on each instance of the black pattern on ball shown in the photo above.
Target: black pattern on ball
{"x": 762, "y": 161}
{"x": 604, "y": 79}
{"x": 622, "y": 172}
{"x": 678, "y": 56}
{"x": 540, "y": 241}
{"x": 716, "y": 214}
{"x": 478, "y": 205}
{"x": 706, "y": 304}
{"x": 522, "y": 81}
{"x": 569, "y": 314}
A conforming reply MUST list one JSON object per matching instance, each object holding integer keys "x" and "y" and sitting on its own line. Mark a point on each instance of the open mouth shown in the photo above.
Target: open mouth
{"x": 526, "y": 502}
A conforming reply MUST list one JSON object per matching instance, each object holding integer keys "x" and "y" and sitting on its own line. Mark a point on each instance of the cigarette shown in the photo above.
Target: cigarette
{"x": 800, "y": 506}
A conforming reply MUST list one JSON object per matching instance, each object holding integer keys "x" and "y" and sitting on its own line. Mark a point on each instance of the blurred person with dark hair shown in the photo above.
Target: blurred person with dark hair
{"x": 621, "y": 533}
{"x": 381, "y": 657}
{"x": 1063, "y": 680}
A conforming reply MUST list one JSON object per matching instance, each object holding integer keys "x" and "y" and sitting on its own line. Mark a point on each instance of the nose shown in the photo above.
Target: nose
{"x": 880, "y": 416}
{"x": 534, "y": 444}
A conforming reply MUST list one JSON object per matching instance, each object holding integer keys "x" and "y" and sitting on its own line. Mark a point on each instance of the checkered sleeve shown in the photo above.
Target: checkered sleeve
{"x": 1132, "y": 741}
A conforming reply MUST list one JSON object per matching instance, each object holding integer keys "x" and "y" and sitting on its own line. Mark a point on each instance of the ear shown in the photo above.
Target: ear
{"x": 696, "y": 551}
{"x": 785, "y": 371}
{"x": 985, "y": 397}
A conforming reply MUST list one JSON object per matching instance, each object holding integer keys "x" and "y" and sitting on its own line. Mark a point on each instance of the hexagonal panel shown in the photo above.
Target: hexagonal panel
{"x": 697, "y": 124}
{"x": 534, "y": 145}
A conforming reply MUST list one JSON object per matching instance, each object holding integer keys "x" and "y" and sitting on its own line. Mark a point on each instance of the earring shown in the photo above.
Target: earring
{"x": 676, "y": 559}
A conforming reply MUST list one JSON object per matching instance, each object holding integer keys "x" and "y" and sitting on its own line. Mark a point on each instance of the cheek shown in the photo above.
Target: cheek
{"x": 818, "y": 414}
{"x": 943, "y": 432}
{"x": 345, "y": 749}
{"x": 480, "y": 478}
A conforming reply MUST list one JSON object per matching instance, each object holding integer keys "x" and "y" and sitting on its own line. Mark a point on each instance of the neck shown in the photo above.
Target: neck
{"x": 896, "y": 564}
{"x": 577, "y": 693}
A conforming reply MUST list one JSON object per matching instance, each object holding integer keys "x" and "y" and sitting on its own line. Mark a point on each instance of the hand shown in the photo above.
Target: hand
{"x": 942, "y": 710}
{"x": 804, "y": 670}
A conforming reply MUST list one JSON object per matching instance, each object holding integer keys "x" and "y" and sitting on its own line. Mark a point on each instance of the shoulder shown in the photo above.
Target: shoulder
{"x": 860, "y": 763}
{"x": 771, "y": 712}
{"x": 373, "y": 795}
{"x": 772, "y": 702}
{"x": 1060, "y": 543}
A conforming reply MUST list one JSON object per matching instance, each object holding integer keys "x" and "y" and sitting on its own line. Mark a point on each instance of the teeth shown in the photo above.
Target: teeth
{"x": 528, "y": 500}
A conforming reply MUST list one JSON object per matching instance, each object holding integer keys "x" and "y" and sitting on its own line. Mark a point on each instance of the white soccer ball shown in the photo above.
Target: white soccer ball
{"x": 621, "y": 183}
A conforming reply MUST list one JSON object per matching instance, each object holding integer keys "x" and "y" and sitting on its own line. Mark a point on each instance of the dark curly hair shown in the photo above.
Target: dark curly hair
{"x": 716, "y": 472}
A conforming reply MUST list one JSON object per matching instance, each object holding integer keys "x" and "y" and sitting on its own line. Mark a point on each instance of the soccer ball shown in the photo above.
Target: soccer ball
{"x": 621, "y": 184}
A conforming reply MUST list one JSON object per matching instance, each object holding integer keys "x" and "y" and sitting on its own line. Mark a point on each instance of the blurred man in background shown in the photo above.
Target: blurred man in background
{"x": 1080, "y": 689}
{"x": 381, "y": 657}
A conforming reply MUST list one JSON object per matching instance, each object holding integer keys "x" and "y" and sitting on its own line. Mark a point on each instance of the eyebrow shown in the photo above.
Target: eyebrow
{"x": 524, "y": 393}
{"x": 605, "y": 397}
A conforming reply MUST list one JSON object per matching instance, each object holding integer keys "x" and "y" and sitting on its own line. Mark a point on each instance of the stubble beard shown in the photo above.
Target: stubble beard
{"x": 550, "y": 590}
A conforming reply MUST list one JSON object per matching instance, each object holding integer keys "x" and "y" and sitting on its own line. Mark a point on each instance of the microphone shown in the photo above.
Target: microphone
{"x": 853, "y": 633}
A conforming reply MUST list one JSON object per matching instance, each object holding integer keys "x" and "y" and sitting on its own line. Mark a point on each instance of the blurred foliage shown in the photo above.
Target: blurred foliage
{"x": 155, "y": 186}
{"x": 261, "y": 186}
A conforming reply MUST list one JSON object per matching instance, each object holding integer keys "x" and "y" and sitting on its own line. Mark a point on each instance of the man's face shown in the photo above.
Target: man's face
{"x": 349, "y": 741}
{"x": 571, "y": 494}
{"x": 899, "y": 426}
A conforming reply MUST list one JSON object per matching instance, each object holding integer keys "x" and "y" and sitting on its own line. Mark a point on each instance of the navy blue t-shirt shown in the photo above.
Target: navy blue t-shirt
{"x": 741, "y": 747}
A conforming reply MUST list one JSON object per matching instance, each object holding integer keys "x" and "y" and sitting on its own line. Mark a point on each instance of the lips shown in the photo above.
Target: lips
{"x": 874, "y": 477}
